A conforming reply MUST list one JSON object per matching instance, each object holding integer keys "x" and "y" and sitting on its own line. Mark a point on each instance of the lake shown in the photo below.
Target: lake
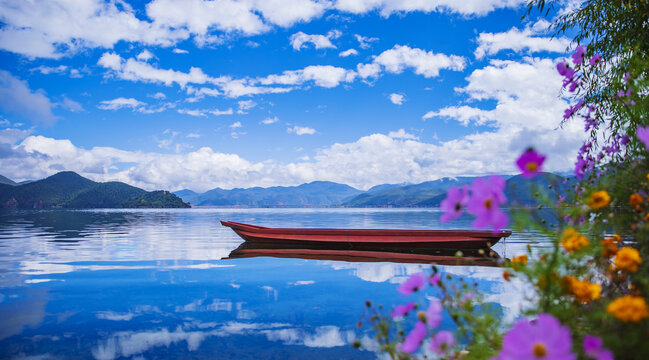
{"x": 145, "y": 284}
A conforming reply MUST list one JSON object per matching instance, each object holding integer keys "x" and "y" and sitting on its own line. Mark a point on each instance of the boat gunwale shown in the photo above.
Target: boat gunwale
{"x": 364, "y": 232}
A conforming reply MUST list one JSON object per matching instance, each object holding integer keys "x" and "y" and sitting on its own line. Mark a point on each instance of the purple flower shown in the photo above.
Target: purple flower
{"x": 544, "y": 338}
{"x": 626, "y": 78}
{"x": 643, "y": 135}
{"x": 580, "y": 168}
{"x": 595, "y": 59}
{"x": 592, "y": 343}
{"x": 562, "y": 68}
{"x": 624, "y": 140}
{"x": 453, "y": 205}
{"x": 434, "y": 314}
{"x": 442, "y": 342}
{"x": 573, "y": 86}
{"x": 414, "y": 338}
{"x": 530, "y": 163}
{"x": 487, "y": 196}
{"x": 403, "y": 310}
{"x": 593, "y": 348}
{"x": 415, "y": 282}
{"x": 434, "y": 280}
{"x": 578, "y": 56}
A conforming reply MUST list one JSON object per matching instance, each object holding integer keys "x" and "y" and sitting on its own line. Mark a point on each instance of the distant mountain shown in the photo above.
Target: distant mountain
{"x": 405, "y": 196}
{"x": 317, "y": 193}
{"x": 521, "y": 191}
{"x": 7, "y": 181}
{"x": 70, "y": 190}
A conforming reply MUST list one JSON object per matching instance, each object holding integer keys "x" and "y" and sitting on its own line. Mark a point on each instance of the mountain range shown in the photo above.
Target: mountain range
{"x": 520, "y": 192}
{"x": 68, "y": 189}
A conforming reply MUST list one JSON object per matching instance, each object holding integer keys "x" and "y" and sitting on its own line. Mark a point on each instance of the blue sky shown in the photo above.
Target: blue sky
{"x": 202, "y": 94}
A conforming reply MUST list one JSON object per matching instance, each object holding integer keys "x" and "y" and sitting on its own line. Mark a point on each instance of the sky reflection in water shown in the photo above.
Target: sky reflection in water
{"x": 109, "y": 284}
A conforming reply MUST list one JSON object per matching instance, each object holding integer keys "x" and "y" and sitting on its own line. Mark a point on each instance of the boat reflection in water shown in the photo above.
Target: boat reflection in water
{"x": 364, "y": 253}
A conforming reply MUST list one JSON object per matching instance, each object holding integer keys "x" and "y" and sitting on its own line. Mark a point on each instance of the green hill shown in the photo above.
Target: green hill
{"x": 70, "y": 190}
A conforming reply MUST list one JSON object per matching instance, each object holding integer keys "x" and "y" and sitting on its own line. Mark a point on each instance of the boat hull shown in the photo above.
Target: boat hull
{"x": 345, "y": 252}
{"x": 443, "y": 239}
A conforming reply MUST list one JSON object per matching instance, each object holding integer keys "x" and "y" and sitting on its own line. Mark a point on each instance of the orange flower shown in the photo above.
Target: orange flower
{"x": 572, "y": 240}
{"x": 629, "y": 308}
{"x": 627, "y": 258}
{"x": 636, "y": 200}
{"x": 599, "y": 199}
{"x": 584, "y": 291}
{"x": 507, "y": 275}
{"x": 520, "y": 259}
{"x": 609, "y": 245}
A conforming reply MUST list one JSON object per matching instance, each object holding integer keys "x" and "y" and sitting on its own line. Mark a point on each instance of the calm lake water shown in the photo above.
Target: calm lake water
{"x": 146, "y": 284}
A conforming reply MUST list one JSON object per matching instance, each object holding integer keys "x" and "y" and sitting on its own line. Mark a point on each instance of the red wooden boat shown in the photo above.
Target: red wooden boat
{"x": 447, "y": 239}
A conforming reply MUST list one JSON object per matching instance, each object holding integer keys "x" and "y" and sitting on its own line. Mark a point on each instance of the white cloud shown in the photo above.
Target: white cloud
{"x": 193, "y": 135}
{"x": 159, "y": 96}
{"x": 423, "y": 62}
{"x": 389, "y": 7}
{"x": 365, "y": 42}
{"x": 120, "y": 103}
{"x": 402, "y": 134}
{"x": 145, "y": 55}
{"x": 136, "y": 70}
{"x": 285, "y": 13}
{"x": 192, "y": 112}
{"x": 322, "y": 75}
{"x": 528, "y": 112}
{"x": 57, "y": 28}
{"x": 71, "y": 105}
{"x": 217, "y": 112}
{"x": 200, "y": 17}
{"x": 397, "y": 99}
{"x": 368, "y": 70}
{"x": 18, "y": 99}
{"x": 349, "y": 52}
{"x": 180, "y": 51}
{"x": 205, "y": 112}
{"x": 319, "y": 41}
{"x": 394, "y": 60}
{"x": 245, "y": 105}
{"x": 46, "y": 70}
{"x": 270, "y": 120}
{"x": 301, "y": 130}
{"x": 52, "y": 29}
{"x": 235, "y": 125}
{"x": 520, "y": 40}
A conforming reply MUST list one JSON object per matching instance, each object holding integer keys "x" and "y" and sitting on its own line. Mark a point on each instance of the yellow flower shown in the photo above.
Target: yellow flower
{"x": 636, "y": 200}
{"x": 573, "y": 240}
{"x": 599, "y": 199}
{"x": 629, "y": 308}
{"x": 609, "y": 245}
{"x": 584, "y": 291}
{"x": 520, "y": 259}
{"x": 627, "y": 258}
